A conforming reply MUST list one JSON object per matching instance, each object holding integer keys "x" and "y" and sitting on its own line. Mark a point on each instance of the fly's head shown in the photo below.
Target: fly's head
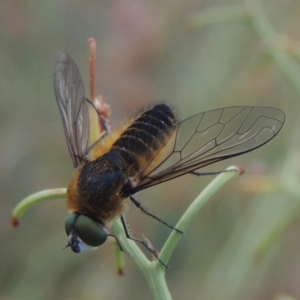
{"x": 84, "y": 233}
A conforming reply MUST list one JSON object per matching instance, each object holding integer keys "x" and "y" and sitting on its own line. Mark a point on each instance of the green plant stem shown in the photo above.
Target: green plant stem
{"x": 35, "y": 198}
{"x": 194, "y": 209}
{"x": 156, "y": 279}
{"x": 153, "y": 273}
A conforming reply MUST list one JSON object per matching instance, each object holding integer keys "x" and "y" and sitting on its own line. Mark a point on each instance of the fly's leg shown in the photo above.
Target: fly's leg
{"x": 208, "y": 173}
{"x": 129, "y": 236}
{"x": 239, "y": 169}
{"x": 102, "y": 120}
{"x": 138, "y": 204}
{"x": 117, "y": 239}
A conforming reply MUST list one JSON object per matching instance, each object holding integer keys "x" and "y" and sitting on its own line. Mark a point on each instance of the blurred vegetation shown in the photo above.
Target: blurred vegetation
{"x": 245, "y": 243}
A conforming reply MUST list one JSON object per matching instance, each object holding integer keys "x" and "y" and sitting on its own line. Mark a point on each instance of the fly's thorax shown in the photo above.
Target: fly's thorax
{"x": 100, "y": 185}
{"x": 102, "y": 176}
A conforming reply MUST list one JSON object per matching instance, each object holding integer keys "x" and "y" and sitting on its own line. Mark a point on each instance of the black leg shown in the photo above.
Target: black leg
{"x": 138, "y": 204}
{"x": 210, "y": 173}
{"x": 118, "y": 241}
{"x": 128, "y": 235}
{"x": 102, "y": 120}
{"x": 104, "y": 126}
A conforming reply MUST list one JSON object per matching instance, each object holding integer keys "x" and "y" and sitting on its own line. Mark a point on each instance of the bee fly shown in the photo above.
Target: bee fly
{"x": 152, "y": 148}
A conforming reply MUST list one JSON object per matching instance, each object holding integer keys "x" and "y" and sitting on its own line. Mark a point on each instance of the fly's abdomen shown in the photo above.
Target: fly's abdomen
{"x": 141, "y": 141}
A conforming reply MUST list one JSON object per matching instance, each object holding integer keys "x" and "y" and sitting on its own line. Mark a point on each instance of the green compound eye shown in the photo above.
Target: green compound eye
{"x": 89, "y": 231}
{"x": 69, "y": 222}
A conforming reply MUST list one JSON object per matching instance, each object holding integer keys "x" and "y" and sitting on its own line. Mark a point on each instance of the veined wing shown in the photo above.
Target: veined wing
{"x": 209, "y": 137}
{"x": 70, "y": 96}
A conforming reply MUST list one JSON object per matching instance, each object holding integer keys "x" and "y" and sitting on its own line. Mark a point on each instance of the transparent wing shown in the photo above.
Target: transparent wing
{"x": 73, "y": 106}
{"x": 210, "y": 137}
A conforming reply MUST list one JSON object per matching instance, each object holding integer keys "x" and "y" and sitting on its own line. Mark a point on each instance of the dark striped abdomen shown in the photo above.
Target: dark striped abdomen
{"x": 146, "y": 135}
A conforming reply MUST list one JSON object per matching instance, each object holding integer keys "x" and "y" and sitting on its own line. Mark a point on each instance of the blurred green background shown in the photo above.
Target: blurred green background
{"x": 245, "y": 244}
